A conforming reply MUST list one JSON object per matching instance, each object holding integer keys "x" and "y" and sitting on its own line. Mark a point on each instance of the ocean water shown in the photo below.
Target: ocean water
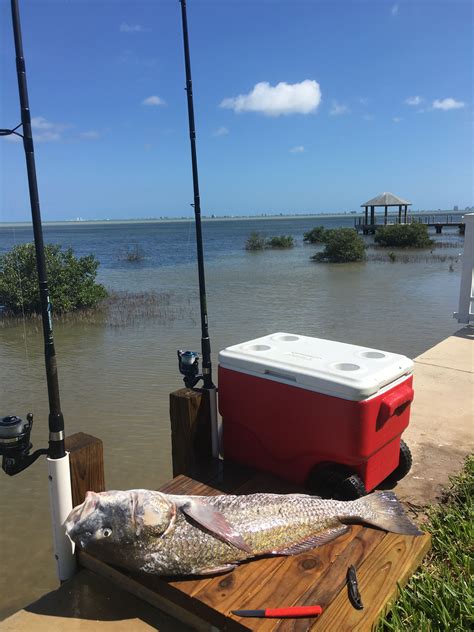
{"x": 115, "y": 379}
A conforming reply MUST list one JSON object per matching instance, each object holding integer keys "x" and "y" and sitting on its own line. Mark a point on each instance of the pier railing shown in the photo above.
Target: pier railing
{"x": 465, "y": 312}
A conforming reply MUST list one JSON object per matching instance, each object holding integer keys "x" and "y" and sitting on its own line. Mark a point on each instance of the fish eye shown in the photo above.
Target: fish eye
{"x": 106, "y": 532}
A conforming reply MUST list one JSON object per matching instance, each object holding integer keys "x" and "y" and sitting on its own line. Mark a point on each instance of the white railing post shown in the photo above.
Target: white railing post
{"x": 466, "y": 298}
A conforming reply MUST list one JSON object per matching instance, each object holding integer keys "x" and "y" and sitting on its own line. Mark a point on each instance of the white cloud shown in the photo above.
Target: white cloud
{"x": 368, "y": 117}
{"x": 47, "y": 131}
{"x": 132, "y": 28}
{"x": 413, "y": 100}
{"x": 338, "y": 108}
{"x": 299, "y": 149}
{"x": 46, "y": 137}
{"x": 38, "y": 122}
{"x": 284, "y": 98}
{"x": 90, "y": 135}
{"x": 394, "y": 10}
{"x": 221, "y": 131}
{"x": 153, "y": 100}
{"x": 363, "y": 100}
{"x": 447, "y": 104}
{"x": 397, "y": 119}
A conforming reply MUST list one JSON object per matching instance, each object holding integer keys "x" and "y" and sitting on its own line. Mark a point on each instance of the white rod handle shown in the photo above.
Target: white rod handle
{"x": 60, "y": 497}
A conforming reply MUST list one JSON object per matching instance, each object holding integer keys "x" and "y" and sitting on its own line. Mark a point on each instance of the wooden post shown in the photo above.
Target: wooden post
{"x": 385, "y": 216}
{"x": 406, "y": 211}
{"x": 86, "y": 459}
{"x": 366, "y": 215}
{"x": 372, "y": 215}
{"x": 399, "y": 213}
{"x": 190, "y": 429}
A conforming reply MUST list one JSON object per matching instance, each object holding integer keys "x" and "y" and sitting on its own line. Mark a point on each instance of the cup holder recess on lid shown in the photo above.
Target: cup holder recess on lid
{"x": 257, "y": 348}
{"x": 287, "y": 338}
{"x": 346, "y": 366}
{"x": 373, "y": 354}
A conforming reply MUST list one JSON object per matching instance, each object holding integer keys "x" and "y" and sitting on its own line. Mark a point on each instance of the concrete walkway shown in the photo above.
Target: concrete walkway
{"x": 440, "y": 435}
{"x": 441, "y": 430}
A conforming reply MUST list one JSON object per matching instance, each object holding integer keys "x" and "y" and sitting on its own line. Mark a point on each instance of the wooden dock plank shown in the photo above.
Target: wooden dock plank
{"x": 315, "y": 577}
{"x": 161, "y": 594}
{"x": 333, "y": 578}
{"x": 388, "y": 566}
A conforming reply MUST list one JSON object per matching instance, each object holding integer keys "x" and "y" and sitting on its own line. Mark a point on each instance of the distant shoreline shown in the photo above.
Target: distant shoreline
{"x": 240, "y": 218}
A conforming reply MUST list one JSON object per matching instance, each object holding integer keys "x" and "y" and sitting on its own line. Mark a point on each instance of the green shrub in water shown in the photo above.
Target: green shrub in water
{"x": 255, "y": 241}
{"x": 343, "y": 245}
{"x": 71, "y": 280}
{"x": 403, "y": 236}
{"x": 282, "y": 241}
{"x": 315, "y": 236}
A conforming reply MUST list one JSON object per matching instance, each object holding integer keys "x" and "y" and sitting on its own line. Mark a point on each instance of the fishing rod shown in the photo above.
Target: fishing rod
{"x": 15, "y": 443}
{"x": 189, "y": 360}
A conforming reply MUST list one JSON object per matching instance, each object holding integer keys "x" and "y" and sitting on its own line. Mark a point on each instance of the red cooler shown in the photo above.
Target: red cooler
{"x": 290, "y": 403}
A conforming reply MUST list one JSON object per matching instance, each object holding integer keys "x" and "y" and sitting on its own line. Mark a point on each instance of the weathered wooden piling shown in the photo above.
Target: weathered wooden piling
{"x": 190, "y": 429}
{"x": 86, "y": 459}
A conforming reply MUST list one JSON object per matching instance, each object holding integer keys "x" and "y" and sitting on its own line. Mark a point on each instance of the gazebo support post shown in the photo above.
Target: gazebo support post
{"x": 372, "y": 215}
{"x": 400, "y": 214}
{"x": 366, "y": 215}
{"x": 406, "y": 213}
{"x": 385, "y": 216}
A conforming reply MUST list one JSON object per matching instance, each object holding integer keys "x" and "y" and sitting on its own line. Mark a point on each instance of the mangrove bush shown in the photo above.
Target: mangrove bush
{"x": 255, "y": 241}
{"x": 281, "y": 241}
{"x": 342, "y": 245}
{"x": 315, "y": 235}
{"x": 71, "y": 280}
{"x": 403, "y": 236}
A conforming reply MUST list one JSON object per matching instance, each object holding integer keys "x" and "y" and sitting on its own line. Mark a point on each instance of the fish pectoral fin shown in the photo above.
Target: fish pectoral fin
{"x": 315, "y": 540}
{"x": 225, "y": 568}
{"x": 215, "y": 522}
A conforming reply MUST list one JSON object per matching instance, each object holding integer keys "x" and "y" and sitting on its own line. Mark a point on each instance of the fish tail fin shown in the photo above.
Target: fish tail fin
{"x": 384, "y": 510}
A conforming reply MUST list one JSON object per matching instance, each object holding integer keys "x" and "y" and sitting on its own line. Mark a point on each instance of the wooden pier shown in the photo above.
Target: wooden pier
{"x": 384, "y": 561}
{"x": 438, "y": 222}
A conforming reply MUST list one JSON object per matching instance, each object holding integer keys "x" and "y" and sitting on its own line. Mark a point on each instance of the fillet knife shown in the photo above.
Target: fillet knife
{"x": 281, "y": 613}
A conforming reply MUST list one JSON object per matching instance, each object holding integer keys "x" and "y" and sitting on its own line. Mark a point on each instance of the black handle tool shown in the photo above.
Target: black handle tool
{"x": 353, "y": 588}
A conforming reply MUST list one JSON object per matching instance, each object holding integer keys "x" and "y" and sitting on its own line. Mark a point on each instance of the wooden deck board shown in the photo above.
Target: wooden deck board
{"x": 315, "y": 577}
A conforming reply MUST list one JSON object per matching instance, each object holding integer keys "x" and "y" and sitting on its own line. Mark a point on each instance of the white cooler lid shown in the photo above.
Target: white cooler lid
{"x": 323, "y": 366}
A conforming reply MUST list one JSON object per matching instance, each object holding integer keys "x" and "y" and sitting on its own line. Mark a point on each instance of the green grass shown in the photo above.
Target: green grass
{"x": 439, "y": 597}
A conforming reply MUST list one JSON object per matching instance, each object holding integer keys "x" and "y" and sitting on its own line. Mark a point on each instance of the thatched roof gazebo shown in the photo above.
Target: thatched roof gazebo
{"x": 386, "y": 200}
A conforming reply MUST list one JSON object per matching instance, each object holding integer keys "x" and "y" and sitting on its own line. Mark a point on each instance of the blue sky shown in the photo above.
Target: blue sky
{"x": 301, "y": 106}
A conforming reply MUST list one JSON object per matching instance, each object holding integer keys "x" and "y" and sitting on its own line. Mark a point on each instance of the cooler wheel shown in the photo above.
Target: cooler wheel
{"x": 336, "y": 481}
{"x": 403, "y": 467}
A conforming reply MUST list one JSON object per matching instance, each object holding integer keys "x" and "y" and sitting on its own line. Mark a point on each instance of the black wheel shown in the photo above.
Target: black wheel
{"x": 336, "y": 481}
{"x": 404, "y": 464}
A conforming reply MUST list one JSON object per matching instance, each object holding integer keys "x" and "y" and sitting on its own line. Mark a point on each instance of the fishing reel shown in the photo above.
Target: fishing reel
{"x": 15, "y": 444}
{"x": 188, "y": 362}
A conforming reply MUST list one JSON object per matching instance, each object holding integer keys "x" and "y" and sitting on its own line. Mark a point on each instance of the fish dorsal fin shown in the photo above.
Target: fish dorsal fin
{"x": 315, "y": 540}
{"x": 214, "y": 521}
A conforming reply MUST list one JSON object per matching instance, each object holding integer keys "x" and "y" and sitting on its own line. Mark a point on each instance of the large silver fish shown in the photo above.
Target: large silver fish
{"x": 195, "y": 535}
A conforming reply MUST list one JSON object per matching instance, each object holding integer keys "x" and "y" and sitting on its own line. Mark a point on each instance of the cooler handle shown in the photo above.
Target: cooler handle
{"x": 394, "y": 404}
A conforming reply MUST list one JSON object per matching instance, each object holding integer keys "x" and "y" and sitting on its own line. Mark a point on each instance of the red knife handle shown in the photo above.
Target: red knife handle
{"x": 294, "y": 611}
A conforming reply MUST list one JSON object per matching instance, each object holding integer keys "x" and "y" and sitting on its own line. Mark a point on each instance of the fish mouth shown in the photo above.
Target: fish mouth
{"x": 79, "y": 535}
